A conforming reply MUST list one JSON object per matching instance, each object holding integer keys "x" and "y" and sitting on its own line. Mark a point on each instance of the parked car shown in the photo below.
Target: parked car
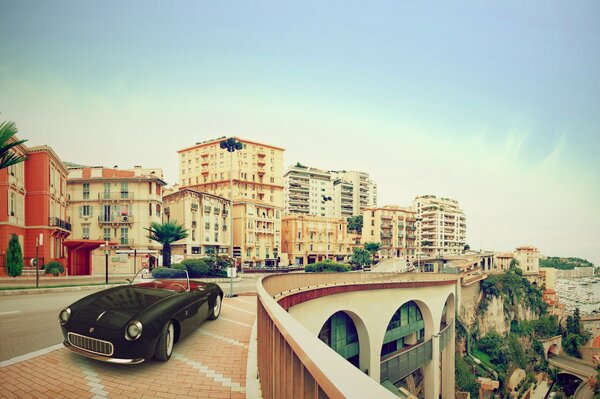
{"x": 132, "y": 323}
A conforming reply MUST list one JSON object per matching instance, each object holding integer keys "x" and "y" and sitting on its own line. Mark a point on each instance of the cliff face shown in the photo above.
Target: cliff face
{"x": 496, "y": 317}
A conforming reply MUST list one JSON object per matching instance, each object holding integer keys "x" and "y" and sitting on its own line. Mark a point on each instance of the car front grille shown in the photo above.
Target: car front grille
{"x": 93, "y": 345}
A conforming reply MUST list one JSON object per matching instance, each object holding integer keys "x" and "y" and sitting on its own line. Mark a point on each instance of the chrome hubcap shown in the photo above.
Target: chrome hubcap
{"x": 170, "y": 335}
{"x": 217, "y": 308}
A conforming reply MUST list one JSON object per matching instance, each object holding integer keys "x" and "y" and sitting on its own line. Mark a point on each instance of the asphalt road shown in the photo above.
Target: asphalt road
{"x": 30, "y": 322}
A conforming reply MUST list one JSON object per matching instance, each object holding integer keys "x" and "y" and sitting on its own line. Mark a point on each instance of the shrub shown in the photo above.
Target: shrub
{"x": 178, "y": 266}
{"x": 14, "y": 257}
{"x": 54, "y": 268}
{"x": 165, "y": 272}
{"x": 326, "y": 266}
{"x": 197, "y": 267}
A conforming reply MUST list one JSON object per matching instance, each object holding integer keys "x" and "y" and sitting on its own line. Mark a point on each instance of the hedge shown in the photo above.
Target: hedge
{"x": 165, "y": 272}
{"x": 326, "y": 266}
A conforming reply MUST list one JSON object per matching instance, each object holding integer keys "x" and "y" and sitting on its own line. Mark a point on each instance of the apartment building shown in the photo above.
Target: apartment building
{"x": 394, "y": 228}
{"x": 115, "y": 205}
{"x": 309, "y": 239}
{"x": 528, "y": 259}
{"x": 33, "y": 200}
{"x": 305, "y": 189}
{"x": 257, "y": 175}
{"x": 364, "y": 193}
{"x": 343, "y": 199}
{"x": 206, "y": 219}
{"x": 441, "y": 226}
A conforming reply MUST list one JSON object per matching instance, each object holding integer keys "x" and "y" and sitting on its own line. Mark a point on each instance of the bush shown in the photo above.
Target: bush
{"x": 326, "y": 266}
{"x": 178, "y": 266}
{"x": 201, "y": 268}
{"x": 54, "y": 268}
{"x": 165, "y": 272}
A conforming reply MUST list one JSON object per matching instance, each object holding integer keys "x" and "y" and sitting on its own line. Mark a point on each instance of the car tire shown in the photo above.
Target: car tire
{"x": 216, "y": 309}
{"x": 166, "y": 340}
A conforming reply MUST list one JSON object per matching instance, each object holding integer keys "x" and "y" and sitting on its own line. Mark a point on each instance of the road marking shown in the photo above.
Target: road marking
{"x": 31, "y": 355}
{"x": 11, "y": 312}
{"x": 235, "y": 321}
{"x": 248, "y": 302}
{"x": 226, "y": 382}
{"x": 93, "y": 380}
{"x": 241, "y": 310}
{"x": 228, "y": 340}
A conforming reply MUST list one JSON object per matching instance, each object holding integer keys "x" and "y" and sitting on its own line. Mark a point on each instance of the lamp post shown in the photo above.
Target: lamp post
{"x": 106, "y": 261}
{"x": 39, "y": 241}
{"x": 325, "y": 199}
{"x": 231, "y": 145}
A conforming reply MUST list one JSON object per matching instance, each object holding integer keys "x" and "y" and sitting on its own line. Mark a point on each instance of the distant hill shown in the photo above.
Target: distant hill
{"x": 564, "y": 263}
{"x": 73, "y": 165}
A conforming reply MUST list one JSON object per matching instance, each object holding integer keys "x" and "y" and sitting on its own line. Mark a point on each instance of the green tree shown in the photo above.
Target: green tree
{"x": 166, "y": 234}
{"x": 360, "y": 258}
{"x": 7, "y": 155}
{"x": 467, "y": 247}
{"x": 514, "y": 264}
{"x": 466, "y": 379}
{"x": 355, "y": 223}
{"x": 372, "y": 247}
{"x": 14, "y": 257}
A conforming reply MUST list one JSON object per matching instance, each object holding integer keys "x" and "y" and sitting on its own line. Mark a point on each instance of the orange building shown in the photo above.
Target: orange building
{"x": 33, "y": 202}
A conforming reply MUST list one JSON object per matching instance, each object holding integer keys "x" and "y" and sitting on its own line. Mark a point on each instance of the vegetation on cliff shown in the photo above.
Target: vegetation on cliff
{"x": 564, "y": 263}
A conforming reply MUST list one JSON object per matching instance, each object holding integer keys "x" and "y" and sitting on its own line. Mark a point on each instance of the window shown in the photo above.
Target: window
{"x": 248, "y": 252}
{"x": 86, "y": 211}
{"x": 107, "y": 234}
{"x": 11, "y": 211}
{"x": 216, "y": 236}
{"x": 194, "y": 235}
{"x": 158, "y": 210}
{"x": 150, "y": 209}
{"x": 86, "y": 190}
{"x": 257, "y": 251}
{"x": 106, "y": 190}
{"x": 86, "y": 233}
{"x": 124, "y": 190}
{"x": 124, "y": 236}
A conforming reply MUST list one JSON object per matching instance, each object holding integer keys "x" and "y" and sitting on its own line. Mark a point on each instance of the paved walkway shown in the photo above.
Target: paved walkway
{"x": 209, "y": 363}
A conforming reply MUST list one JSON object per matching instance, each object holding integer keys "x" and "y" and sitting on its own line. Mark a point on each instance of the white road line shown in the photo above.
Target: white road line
{"x": 226, "y": 382}
{"x": 31, "y": 355}
{"x": 11, "y": 312}
{"x": 248, "y": 302}
{"x": 228, "y": 340}
{"x": 93, "y": 380}
{"x": 235, "y": 321}
{"x": 241, "y": 310}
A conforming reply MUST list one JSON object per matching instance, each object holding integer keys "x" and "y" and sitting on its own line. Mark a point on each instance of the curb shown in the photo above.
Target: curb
{"x": 33, "y": 291}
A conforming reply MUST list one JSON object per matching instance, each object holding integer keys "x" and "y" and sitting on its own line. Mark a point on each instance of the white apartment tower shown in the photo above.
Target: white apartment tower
{"x": 304, "y": 189}
{"x": 364, "y": 192}
{"x": 441, "y": 226}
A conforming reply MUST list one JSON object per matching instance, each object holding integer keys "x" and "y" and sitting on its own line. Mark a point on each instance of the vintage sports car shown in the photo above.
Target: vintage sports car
{"x": 133, "y": 323}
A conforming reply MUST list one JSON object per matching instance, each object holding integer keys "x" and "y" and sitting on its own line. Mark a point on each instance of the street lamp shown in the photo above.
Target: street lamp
{"x": 325, "y": 199}
{"x": 231, "y": 145}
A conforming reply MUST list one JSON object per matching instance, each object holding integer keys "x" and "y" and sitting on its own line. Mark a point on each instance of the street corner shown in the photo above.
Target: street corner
{"x": 209, "y": 363}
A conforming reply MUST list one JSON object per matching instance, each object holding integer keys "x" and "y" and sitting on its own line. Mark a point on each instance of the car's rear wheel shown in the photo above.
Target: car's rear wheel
{"x": 164, "y": 347}
{"x": 216, "y": 310}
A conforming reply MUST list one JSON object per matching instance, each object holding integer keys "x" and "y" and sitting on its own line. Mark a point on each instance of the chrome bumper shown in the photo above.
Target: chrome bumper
{"x": 107, "y": 359}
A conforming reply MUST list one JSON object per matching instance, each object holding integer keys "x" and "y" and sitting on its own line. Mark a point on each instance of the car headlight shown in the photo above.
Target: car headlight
{"x": 133, "y": 331}
{"x": 64, "y": 316}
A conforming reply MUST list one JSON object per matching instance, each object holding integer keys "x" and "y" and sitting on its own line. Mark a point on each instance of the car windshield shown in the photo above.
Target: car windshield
{"x": 144, "y": 278}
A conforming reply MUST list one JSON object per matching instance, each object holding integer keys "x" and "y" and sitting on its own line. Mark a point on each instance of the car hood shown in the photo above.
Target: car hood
{"x": 114, "y": 307}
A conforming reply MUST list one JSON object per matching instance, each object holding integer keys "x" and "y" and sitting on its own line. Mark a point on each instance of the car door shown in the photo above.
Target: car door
{"x": 195, "y": 311}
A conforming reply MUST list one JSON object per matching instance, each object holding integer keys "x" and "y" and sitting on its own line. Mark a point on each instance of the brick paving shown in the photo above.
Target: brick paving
{"x": 209, "y": 363}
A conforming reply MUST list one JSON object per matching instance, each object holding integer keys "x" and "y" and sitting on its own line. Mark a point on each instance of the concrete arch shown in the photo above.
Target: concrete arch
{"x": 554, "y": 349}
{"x": 450, "y": 309}
{"x": 425, "y": 312}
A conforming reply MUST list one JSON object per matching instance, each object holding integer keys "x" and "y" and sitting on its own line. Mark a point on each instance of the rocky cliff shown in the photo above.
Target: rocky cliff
{"x": 496, "y": 315}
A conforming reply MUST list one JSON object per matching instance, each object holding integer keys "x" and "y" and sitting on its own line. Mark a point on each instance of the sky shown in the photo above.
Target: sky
{"x": 495, "y": 105}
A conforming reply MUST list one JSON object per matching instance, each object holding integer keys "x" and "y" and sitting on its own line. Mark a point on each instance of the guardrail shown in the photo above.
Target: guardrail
{"x": 445, "y": 335}
{"x": 292, "y": 362}
{"x": 399, "y": 366}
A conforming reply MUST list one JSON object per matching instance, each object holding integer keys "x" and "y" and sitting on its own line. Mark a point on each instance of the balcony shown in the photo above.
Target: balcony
{"x": 119, "y": 196}
{"x": 61, "y": 224}
{"x": 115, "y": 219}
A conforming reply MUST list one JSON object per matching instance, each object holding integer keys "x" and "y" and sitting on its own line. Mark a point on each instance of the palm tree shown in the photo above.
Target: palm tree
{"x": 7, "y": 156}
{"x": 372, "y": 247}
{"x": 166, "y": 234}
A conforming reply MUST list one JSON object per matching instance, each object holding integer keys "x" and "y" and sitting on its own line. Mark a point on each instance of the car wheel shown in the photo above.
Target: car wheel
{"x": 164, "y": 347}
{"x": 216, "y": 310}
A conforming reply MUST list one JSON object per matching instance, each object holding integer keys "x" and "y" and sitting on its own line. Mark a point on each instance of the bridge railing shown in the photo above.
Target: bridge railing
{"x": 292, "y": 362}
{"x": 404, "y": 363}
{"x": 446, "y": 335}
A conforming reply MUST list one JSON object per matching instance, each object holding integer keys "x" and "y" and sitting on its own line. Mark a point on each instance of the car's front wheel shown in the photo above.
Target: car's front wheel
{"x": 164, "y": 348}
{"x": 216, "y": 310}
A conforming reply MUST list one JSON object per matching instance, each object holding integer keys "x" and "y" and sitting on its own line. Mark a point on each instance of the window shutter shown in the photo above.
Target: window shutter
{"x": 80, "y": 210}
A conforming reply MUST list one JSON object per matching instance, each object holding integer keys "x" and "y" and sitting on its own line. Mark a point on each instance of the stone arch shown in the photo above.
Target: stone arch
{"x": 553, "y": 350}
{"x": 363, "y": 336}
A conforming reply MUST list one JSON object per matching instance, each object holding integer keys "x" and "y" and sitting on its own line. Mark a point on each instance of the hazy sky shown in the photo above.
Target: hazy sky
{"x": 497, "y": 106}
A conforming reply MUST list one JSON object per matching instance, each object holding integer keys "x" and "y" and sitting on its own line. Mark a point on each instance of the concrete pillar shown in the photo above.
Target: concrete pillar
{"x": 448, "y": 370}
{"x": 431, "y": 380}
{"x": 375, "y": 359}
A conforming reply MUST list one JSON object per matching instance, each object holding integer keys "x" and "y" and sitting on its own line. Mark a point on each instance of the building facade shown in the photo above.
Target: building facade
{"x": 503, "y": 260}
{"x": 206, "y": 219}
{"x": 256, "y": 172}
{"x": 33, "y": 204}
{"x": 528, "y": 259}
{"x": 364, "y": 193}
{"x": 310, "y": 239}
{"x": 441, "y": 226}
{"x": 304, "y": 189}
{"x": 343, "y": 199}
{"x": 393, "y": 227}
{"x": 115, "y": 205}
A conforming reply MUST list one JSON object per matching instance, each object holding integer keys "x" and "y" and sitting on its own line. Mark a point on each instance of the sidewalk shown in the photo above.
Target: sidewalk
{"x": 210, "y": 363}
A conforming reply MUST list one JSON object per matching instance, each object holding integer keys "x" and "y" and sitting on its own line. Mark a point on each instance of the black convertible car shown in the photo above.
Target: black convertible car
{"x": 133, "y": 323}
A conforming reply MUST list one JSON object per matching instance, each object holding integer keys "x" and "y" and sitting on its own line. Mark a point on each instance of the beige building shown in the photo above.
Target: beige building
{"x": 206, "y": 219}
{"x": 441, "y": 226}
{"x": 116, "y": 205}
{"x": 343, "y": 199}
{"x": 304, "y": 189}
{"x": 364, "y": 190}
{"x": 502, "y": 260}
{"x": 529, "y": 259}
{"x": 309, "y": 239}
{"x": 393, "y": 227}
{"x": 257, "y": 174}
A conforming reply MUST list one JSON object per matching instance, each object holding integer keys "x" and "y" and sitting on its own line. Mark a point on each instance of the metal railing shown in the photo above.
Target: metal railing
{"x": 57, "y": 222}
{"x": 404, "y": 363}
{"x": 446, "y": 334}
{"x": 292, "y": 362}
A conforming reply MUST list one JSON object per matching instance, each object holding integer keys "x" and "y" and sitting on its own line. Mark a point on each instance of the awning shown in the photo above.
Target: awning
{"x": 87, "y": 244}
